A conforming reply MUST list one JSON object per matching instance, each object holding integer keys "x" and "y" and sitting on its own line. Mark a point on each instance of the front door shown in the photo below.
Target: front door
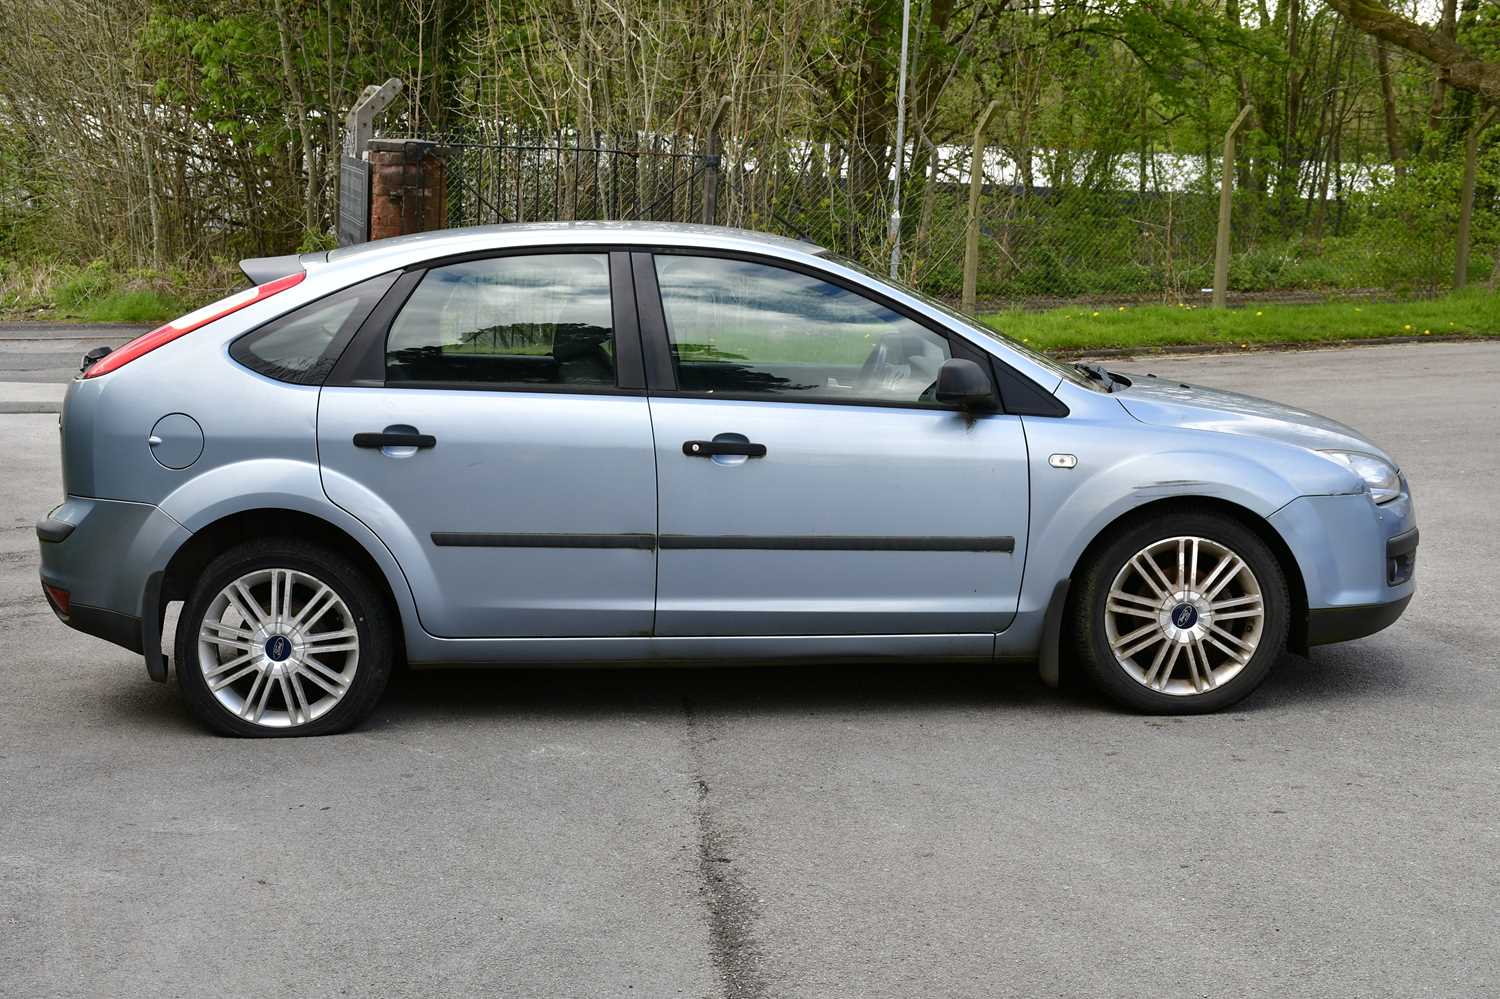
{"x": 501, "y": 460}
{"x": 809, "y": 484}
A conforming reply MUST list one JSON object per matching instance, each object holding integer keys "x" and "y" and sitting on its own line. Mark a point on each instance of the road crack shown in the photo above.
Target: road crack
{"x": 732, "y": 908}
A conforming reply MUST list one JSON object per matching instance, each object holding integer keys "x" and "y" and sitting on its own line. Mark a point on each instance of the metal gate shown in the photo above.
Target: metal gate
{"x": 354, "y": 200}
{"x": 541, "y": 177}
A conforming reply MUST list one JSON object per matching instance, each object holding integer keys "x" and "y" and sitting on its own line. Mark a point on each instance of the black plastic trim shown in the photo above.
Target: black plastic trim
{"x": 362, "y": 364}
{"x": 380, "y": 439}
{"x": 152, "y": 612}
{"x": 499, "y": 387}
{"x": 53, "y": 531}
{"x": 1341, "y": 624}
{"x": 630, "y": 370}
{"x": 709, "y": 449}
{"x": 1049, "y": 661}
{"x": 1403, "y": 544}
{"x": 834, "y": 543}
{"x": 661, "y": 375}
{"x": 455, "y": 539}
{"x": 123, "y": 630}
{"x": 1020, "y": 396}
{"x": 729, "y": 542}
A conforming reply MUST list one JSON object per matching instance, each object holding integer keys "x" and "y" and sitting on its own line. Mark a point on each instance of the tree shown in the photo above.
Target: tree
{"x": 1457, "y": 65}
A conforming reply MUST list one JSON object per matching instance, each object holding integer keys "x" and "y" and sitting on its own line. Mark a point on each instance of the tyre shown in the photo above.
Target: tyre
{"x": 283, "y": 638}
{"x": 1180, "y": 613}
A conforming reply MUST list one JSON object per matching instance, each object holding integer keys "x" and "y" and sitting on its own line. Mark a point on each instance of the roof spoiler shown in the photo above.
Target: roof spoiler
{"x": 263, "y": 269}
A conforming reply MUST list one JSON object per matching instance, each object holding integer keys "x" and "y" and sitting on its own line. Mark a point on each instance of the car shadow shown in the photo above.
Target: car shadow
{"x": 1341, "y": 674}
{"x": 599, "y": 692}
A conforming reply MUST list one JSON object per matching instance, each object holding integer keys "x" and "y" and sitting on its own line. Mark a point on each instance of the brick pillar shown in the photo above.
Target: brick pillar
{"x": 408, "y": 187}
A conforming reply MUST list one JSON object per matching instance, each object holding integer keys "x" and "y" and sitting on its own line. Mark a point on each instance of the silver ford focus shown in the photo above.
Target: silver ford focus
{"x": 613, "y": 443}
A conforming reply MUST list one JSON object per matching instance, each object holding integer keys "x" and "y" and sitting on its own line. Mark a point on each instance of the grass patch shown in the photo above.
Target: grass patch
{"x": 147, "y": 306}
{"x": 98, "y": 292}
{"x": 1094, "y": 327}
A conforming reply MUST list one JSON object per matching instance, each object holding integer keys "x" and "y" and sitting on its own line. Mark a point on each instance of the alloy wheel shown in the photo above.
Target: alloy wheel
{"x": 1184, "y": 615}
{"x": 278, "y": 648}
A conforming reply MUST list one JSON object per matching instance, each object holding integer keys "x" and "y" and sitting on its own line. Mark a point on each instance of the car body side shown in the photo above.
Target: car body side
{"x": 263, "y": 469}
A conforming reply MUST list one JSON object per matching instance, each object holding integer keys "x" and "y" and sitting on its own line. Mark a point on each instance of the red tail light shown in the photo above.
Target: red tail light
{"x": 58, "y": 598}
{"x": 148, "y": 342}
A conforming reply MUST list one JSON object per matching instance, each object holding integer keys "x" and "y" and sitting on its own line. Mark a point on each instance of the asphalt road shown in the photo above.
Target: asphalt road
{"x": 897, "y": 830}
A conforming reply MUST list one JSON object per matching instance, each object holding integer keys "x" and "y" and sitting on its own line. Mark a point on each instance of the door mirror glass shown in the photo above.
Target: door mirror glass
{"x": 961, "y": 382}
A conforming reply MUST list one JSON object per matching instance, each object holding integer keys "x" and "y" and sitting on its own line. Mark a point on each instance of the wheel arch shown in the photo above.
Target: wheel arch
{"x": 188, "y": 562}
{"x": 1263, "y": 529}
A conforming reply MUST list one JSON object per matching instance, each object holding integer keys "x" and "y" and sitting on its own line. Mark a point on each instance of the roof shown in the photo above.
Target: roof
{"x": 441, "y": 242}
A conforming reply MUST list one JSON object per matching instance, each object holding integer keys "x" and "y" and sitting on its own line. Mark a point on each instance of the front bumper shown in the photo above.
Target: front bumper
{"x": 110, "y": 557}
{"x": 1357, "y": 559}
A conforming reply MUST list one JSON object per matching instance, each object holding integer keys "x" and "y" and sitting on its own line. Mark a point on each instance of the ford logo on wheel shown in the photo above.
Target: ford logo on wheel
{"x": 278, "y": 648}
{"x": 1184, "y": 616}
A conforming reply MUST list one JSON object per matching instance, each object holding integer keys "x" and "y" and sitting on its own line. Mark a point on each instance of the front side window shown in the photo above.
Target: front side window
{"x": 738, "y": 327}
{"x": 507, "y": 321}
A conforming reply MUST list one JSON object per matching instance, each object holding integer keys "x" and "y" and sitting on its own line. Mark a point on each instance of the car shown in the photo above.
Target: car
{"x": 640, "y": 443}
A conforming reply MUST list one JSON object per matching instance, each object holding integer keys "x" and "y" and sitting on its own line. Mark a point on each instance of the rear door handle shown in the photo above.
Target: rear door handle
{"x": 710, "y": 449}
{"x": 386, "y": 439}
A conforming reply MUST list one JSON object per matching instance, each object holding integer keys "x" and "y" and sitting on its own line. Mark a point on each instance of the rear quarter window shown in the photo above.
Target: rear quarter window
{"x": 302, "y": 346}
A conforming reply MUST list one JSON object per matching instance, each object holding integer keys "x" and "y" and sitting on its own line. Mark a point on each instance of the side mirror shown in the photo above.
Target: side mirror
{"x": 961, "y": 382}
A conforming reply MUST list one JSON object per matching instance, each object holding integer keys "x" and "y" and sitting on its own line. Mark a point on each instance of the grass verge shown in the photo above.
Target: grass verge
{"x": 97, "y": 292}
{"x": 1074, "y": 328}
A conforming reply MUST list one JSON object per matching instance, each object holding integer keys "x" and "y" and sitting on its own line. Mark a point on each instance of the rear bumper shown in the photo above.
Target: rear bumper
{"x": 110, "y": 556}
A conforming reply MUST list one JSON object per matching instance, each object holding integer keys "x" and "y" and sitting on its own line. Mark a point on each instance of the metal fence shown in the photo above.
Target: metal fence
{"x": 519, "y": 176}
{"x": 1038, "y": 244}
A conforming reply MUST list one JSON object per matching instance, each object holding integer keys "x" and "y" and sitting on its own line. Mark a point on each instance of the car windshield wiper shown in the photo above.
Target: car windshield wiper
{"x": 1097, "y": 373}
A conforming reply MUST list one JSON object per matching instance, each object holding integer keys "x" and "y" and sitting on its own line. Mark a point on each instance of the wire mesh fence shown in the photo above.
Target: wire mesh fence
{"x": 529, "y": 176}
{"x": 1038, "y": 244}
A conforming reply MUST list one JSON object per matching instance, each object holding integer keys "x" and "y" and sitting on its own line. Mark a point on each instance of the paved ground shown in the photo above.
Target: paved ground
{"x": 901, "y": 830}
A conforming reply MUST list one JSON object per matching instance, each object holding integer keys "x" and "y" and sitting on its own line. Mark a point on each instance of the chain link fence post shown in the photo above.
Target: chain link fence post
{"x": 1226, "y": 205}
{"x": 712, "y": 162}
{"x": 976, "y": 186}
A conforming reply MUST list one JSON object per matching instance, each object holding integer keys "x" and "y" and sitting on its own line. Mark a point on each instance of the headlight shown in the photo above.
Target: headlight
{"x": 1380, "y": 475}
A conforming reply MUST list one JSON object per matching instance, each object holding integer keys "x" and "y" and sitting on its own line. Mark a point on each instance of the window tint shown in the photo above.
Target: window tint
{"x": 534, "y": 320}
{"x": 740, "y": 327}
{"x": 302, "y": 346}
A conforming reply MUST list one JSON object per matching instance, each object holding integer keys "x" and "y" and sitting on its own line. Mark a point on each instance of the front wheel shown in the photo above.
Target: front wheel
{"x": 281, "y": 637}
{"x": 1181, "y": 613}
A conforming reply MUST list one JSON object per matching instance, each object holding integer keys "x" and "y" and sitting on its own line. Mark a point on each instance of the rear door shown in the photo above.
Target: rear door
{"x": 809, "y": 484}
{"x": 489, "y": 423}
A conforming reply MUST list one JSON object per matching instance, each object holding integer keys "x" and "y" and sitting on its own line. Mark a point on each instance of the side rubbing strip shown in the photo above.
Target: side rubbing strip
{"x": 828, "y": 543}
{"x": 455, "y": 540}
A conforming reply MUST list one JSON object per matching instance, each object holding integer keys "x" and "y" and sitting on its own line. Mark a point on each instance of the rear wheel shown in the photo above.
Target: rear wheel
{"x": 283, "y": 638}
{"x": 1181, "y": 613}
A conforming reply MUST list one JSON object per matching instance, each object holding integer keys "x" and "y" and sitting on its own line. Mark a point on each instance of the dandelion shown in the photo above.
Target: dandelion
{"x": 1260, "y": 313}
{"x": 1096, "y": 315}
{"x": 1122, "y": 308}
{"x": 1407, "y": 327}
{"x": 1427, "y": 332}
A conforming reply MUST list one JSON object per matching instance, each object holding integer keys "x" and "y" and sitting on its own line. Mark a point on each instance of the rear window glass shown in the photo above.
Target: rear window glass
{"x": 302, "y": 346}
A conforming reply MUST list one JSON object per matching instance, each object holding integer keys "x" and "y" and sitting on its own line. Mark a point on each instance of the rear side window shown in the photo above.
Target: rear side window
{"x": 507, "y": 321}
{"x": 302, "y": 346}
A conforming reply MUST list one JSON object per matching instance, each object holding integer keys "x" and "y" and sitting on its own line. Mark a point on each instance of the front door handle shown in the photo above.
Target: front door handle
{"x": 389, "y": 439}
{"x": 711, "y": 449}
